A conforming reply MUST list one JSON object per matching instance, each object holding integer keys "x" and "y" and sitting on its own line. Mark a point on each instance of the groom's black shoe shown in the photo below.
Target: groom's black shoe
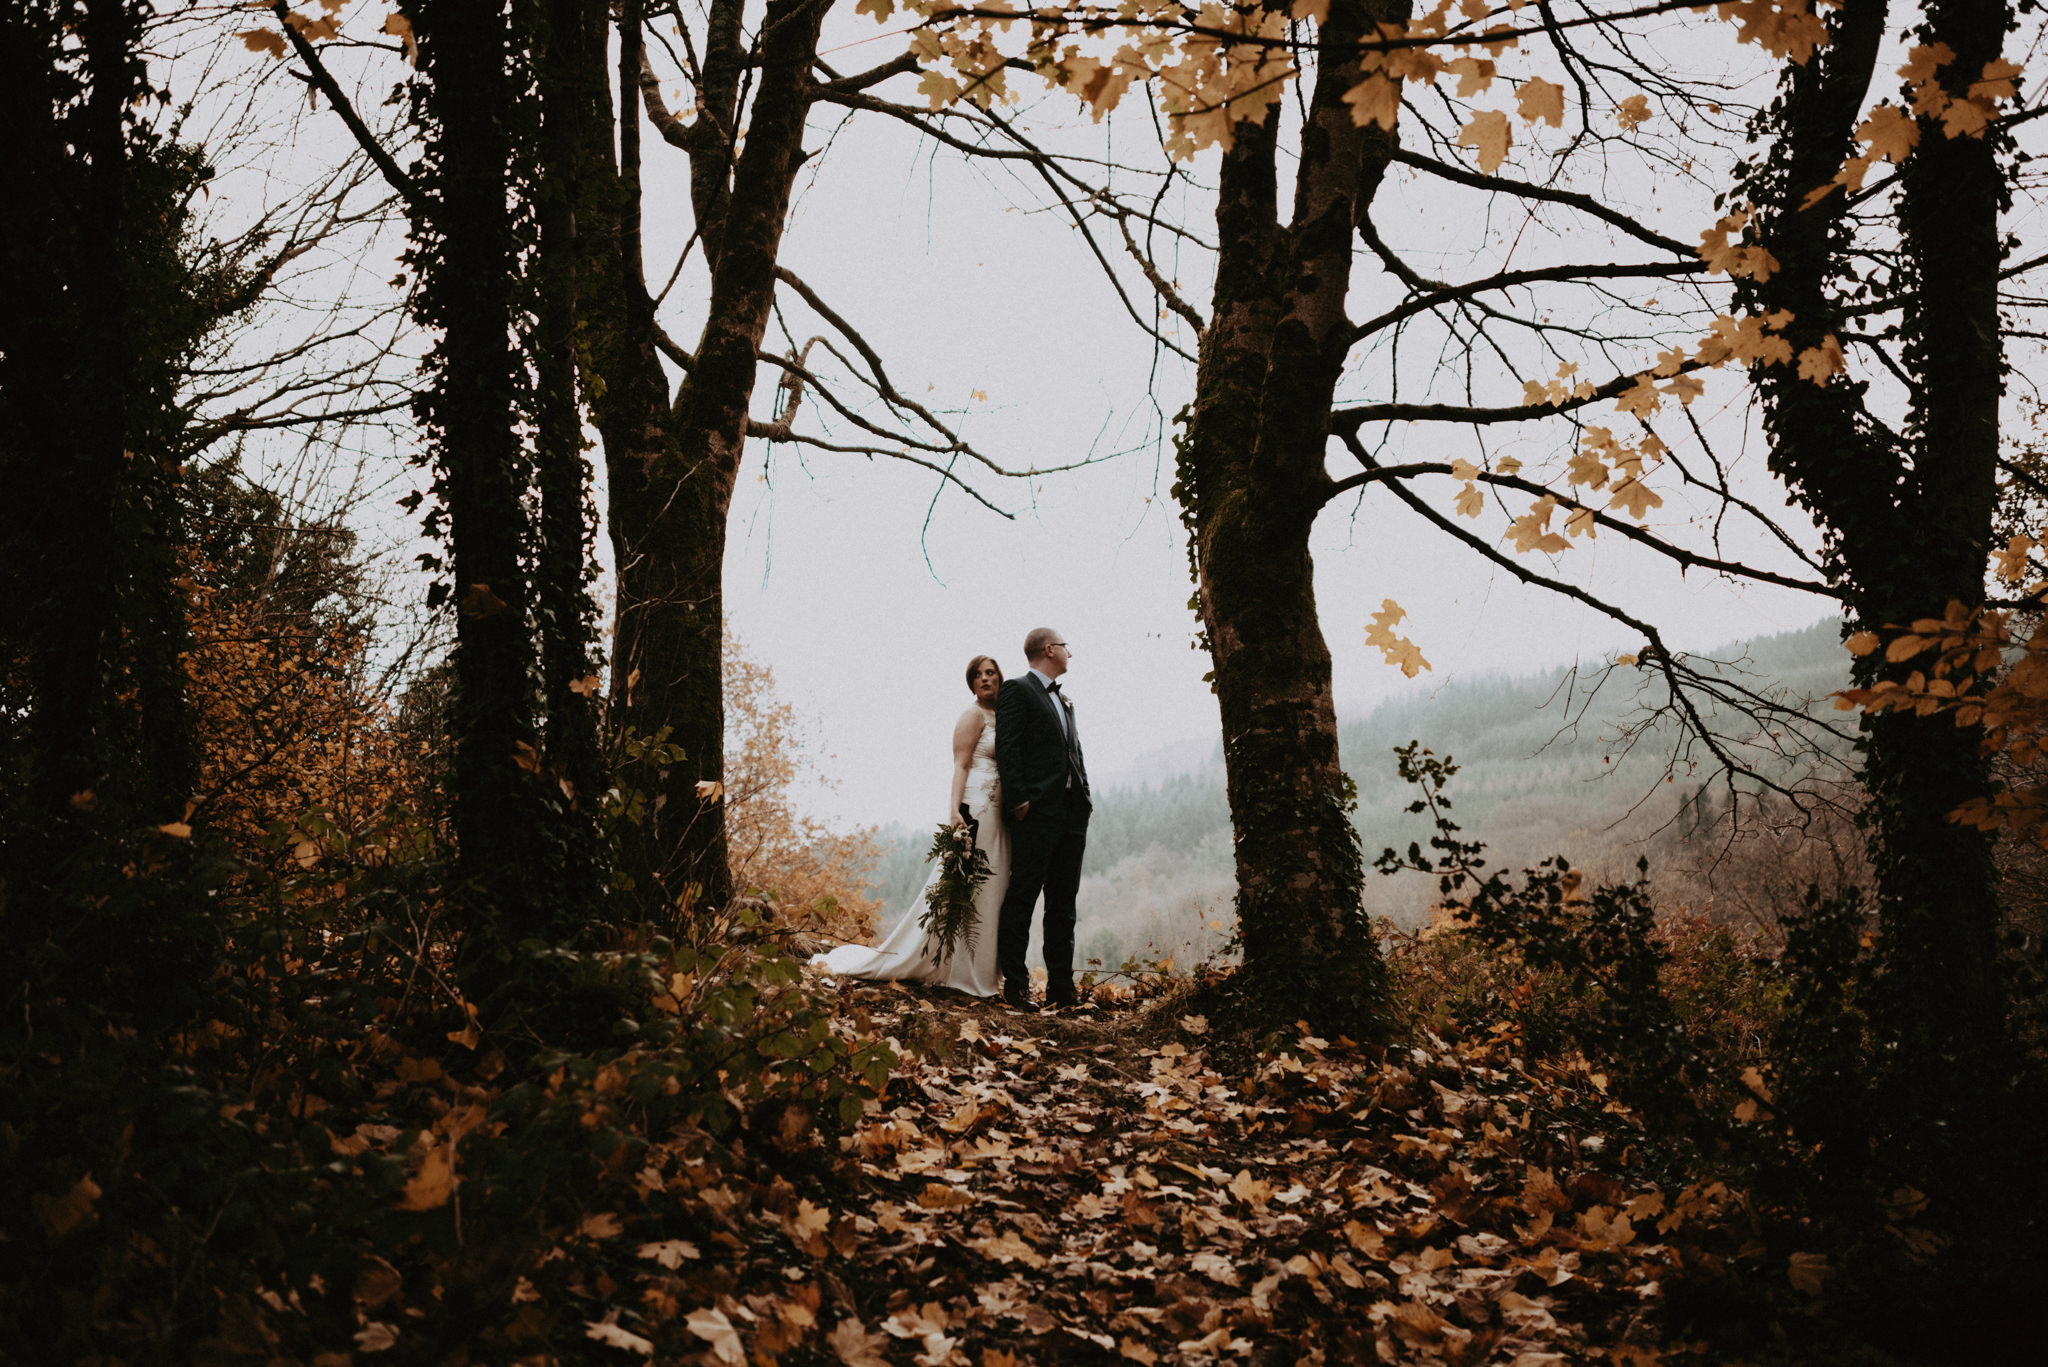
{"x": 1062, "y": 996}
{"x": 1017, "y": 996}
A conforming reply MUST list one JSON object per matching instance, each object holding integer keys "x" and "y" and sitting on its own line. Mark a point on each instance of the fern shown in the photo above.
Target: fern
{"x": 949, "y": 917}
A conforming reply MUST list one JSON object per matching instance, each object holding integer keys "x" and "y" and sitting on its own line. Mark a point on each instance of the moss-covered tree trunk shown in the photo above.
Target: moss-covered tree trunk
{"x": 95, "y": 319}
{"x": 1908, "y": 516}
{"x": 1941, "y": 1003}
{"x": 672, "y": 462}
{"x": 569, "y": 72}
{"x": 468, "y": 253}
{"x": 1252, "y": 479}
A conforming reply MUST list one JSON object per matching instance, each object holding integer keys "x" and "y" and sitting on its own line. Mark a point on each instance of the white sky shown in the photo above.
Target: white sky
{"x": 962, "y": 289}
{"x": 867, "y": 599}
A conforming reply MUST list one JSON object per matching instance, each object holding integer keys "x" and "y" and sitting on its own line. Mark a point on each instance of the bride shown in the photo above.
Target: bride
{"x": 907, "y": 953}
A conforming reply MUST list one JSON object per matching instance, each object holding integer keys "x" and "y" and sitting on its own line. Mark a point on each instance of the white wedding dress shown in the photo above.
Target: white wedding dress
{"x": 907, "y": 953}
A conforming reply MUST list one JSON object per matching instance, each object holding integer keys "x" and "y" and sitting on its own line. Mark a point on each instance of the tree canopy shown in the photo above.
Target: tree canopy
{"x": 450, "y": 1001}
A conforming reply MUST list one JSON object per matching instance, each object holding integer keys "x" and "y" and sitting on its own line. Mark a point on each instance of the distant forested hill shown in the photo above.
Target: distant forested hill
{"x": 1542, "y": 770}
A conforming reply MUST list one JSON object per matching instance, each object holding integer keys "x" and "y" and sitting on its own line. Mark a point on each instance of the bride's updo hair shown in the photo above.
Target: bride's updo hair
{"x": 974, "y": 667}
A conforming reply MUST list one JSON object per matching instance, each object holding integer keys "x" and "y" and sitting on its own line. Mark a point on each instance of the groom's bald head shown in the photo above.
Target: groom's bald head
{"x": 1036, "y": 641}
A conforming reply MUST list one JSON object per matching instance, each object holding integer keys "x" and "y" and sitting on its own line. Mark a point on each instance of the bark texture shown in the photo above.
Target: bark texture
{"x": 1908, "y": 518}
{"x": 672, "y": 461}
{"x": 468, "y": 253}
{"x": 1252, "y": 479}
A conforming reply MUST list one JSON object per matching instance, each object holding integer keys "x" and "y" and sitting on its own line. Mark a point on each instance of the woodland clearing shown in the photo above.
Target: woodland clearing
{"x": 1126, "y": 1183}
{"x": 379, "y": 997}
{"x": 1116, "y": 1185}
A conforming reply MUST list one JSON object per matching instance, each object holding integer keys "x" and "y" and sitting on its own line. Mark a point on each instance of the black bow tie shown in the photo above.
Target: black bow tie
{"x": 1052, "y": 687}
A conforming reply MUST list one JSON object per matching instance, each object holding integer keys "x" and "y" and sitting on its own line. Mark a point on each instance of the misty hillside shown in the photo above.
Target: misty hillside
{"x": 1542, "y": 770}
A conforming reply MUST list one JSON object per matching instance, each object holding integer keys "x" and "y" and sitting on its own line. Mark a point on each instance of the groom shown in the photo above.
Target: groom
{"x": 1045, "y": 795}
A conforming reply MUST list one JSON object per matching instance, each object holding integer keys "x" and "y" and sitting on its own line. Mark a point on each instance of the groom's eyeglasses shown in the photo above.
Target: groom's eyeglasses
{"x": 1061, "y": 645}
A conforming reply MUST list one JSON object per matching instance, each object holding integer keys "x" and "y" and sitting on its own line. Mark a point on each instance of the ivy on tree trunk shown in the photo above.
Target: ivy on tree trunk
{"x": 98, "y": 313}
{"x": 468, "y": 249}
{"x": 1252, "y": 479}
{"x": 1907, "y": 516}
{"x": 568, "y": 59}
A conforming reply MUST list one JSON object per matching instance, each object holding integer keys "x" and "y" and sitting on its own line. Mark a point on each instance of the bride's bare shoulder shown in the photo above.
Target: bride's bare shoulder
{"x": 968, "y": 728}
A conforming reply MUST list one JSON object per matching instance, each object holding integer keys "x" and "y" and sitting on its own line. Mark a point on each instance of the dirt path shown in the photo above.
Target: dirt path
{"x": 1104, "y": 1185}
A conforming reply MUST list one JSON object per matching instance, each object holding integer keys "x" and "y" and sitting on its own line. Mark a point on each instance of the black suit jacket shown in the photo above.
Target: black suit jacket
{"x": 1033, "y": 760}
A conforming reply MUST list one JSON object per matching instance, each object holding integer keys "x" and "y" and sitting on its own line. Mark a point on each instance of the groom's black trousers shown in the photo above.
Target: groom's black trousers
{"x": 1045, "y": 856}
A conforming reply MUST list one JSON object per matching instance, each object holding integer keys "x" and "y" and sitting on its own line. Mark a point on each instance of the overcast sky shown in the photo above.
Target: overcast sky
{"x": 866, "y": 586}
{"x": 867, "y": 598}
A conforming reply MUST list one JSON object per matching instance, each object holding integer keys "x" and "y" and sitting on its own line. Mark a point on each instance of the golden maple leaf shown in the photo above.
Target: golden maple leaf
{"x": 1538, "y": 99}
{"x": 1376, "y": 99}
{"x": 1489, "y": 133}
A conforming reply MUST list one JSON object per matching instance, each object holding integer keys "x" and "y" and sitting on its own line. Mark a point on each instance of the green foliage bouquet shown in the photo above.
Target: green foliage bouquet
{"x": 949, "y": 915}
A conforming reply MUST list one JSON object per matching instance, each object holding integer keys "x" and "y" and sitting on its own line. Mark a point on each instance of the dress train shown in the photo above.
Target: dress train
{"x": 906, "y": 954}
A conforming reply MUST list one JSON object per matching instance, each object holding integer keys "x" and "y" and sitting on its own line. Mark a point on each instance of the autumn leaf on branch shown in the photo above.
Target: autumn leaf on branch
{"x": 1398, "y": 650}
{"x": 1470, "y": 501}
{"x": 1489, "y": 133}
{"x": 1475, "y": 74}
{"x": 263, "y": 40}
{"x": 1635, "y": 498}
{"x": 1822, "y": 363}
{"x": 2010, "y": 564}
{"x": 1375, "y": 100}
{"x": 1732, "y": 257}
{"x": 400, "y": 27}
{"x": 1587, "y": 467}
{"x": 1531, "y": 531}
{"x": 326, "y": 26}
{"x": 1538, "y": 99}
{"x": 1641, "y": 399}
{"x": 1889, "y": 132}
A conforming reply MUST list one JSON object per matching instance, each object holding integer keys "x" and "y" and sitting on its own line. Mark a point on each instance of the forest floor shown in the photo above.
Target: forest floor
{"x": 1120, "y": 1183}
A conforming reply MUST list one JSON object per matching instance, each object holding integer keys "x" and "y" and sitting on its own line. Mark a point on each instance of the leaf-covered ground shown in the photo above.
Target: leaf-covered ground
{"x": 1120, "y": 1184}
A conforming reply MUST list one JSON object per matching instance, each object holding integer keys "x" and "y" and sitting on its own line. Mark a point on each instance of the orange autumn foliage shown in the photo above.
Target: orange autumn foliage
{"x": 285, "y": 716}
{"x": 817, "y": 876}
{"x": 1986, "y": 667}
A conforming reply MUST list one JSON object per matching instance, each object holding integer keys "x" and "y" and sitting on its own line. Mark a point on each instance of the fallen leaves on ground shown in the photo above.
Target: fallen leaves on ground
{"x": 1113, "y": 1188}
{"x": 1126, "y": 1183}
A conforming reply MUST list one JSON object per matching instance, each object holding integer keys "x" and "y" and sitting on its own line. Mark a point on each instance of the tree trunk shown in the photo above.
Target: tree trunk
{"x": 90, "y": 459}
{"x": 1252, "y": 480}
{"x": 569, "y": 55}
{"x": 1940, "y": 1003}
{"x": 672, "y": 464}
{"x": 469, "y": 262}
{"x": 96, "y": 317}
{"x": 1909, "y": 520}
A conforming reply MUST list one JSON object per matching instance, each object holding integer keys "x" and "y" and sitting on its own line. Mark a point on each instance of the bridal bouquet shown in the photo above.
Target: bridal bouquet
{"x": 949, "y": 898}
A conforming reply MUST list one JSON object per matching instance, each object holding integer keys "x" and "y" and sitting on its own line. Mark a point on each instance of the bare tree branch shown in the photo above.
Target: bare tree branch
{"x": 326, "y": 85}
{"x": 1679, "y": 555}
{"x": 1523, "y": 189}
